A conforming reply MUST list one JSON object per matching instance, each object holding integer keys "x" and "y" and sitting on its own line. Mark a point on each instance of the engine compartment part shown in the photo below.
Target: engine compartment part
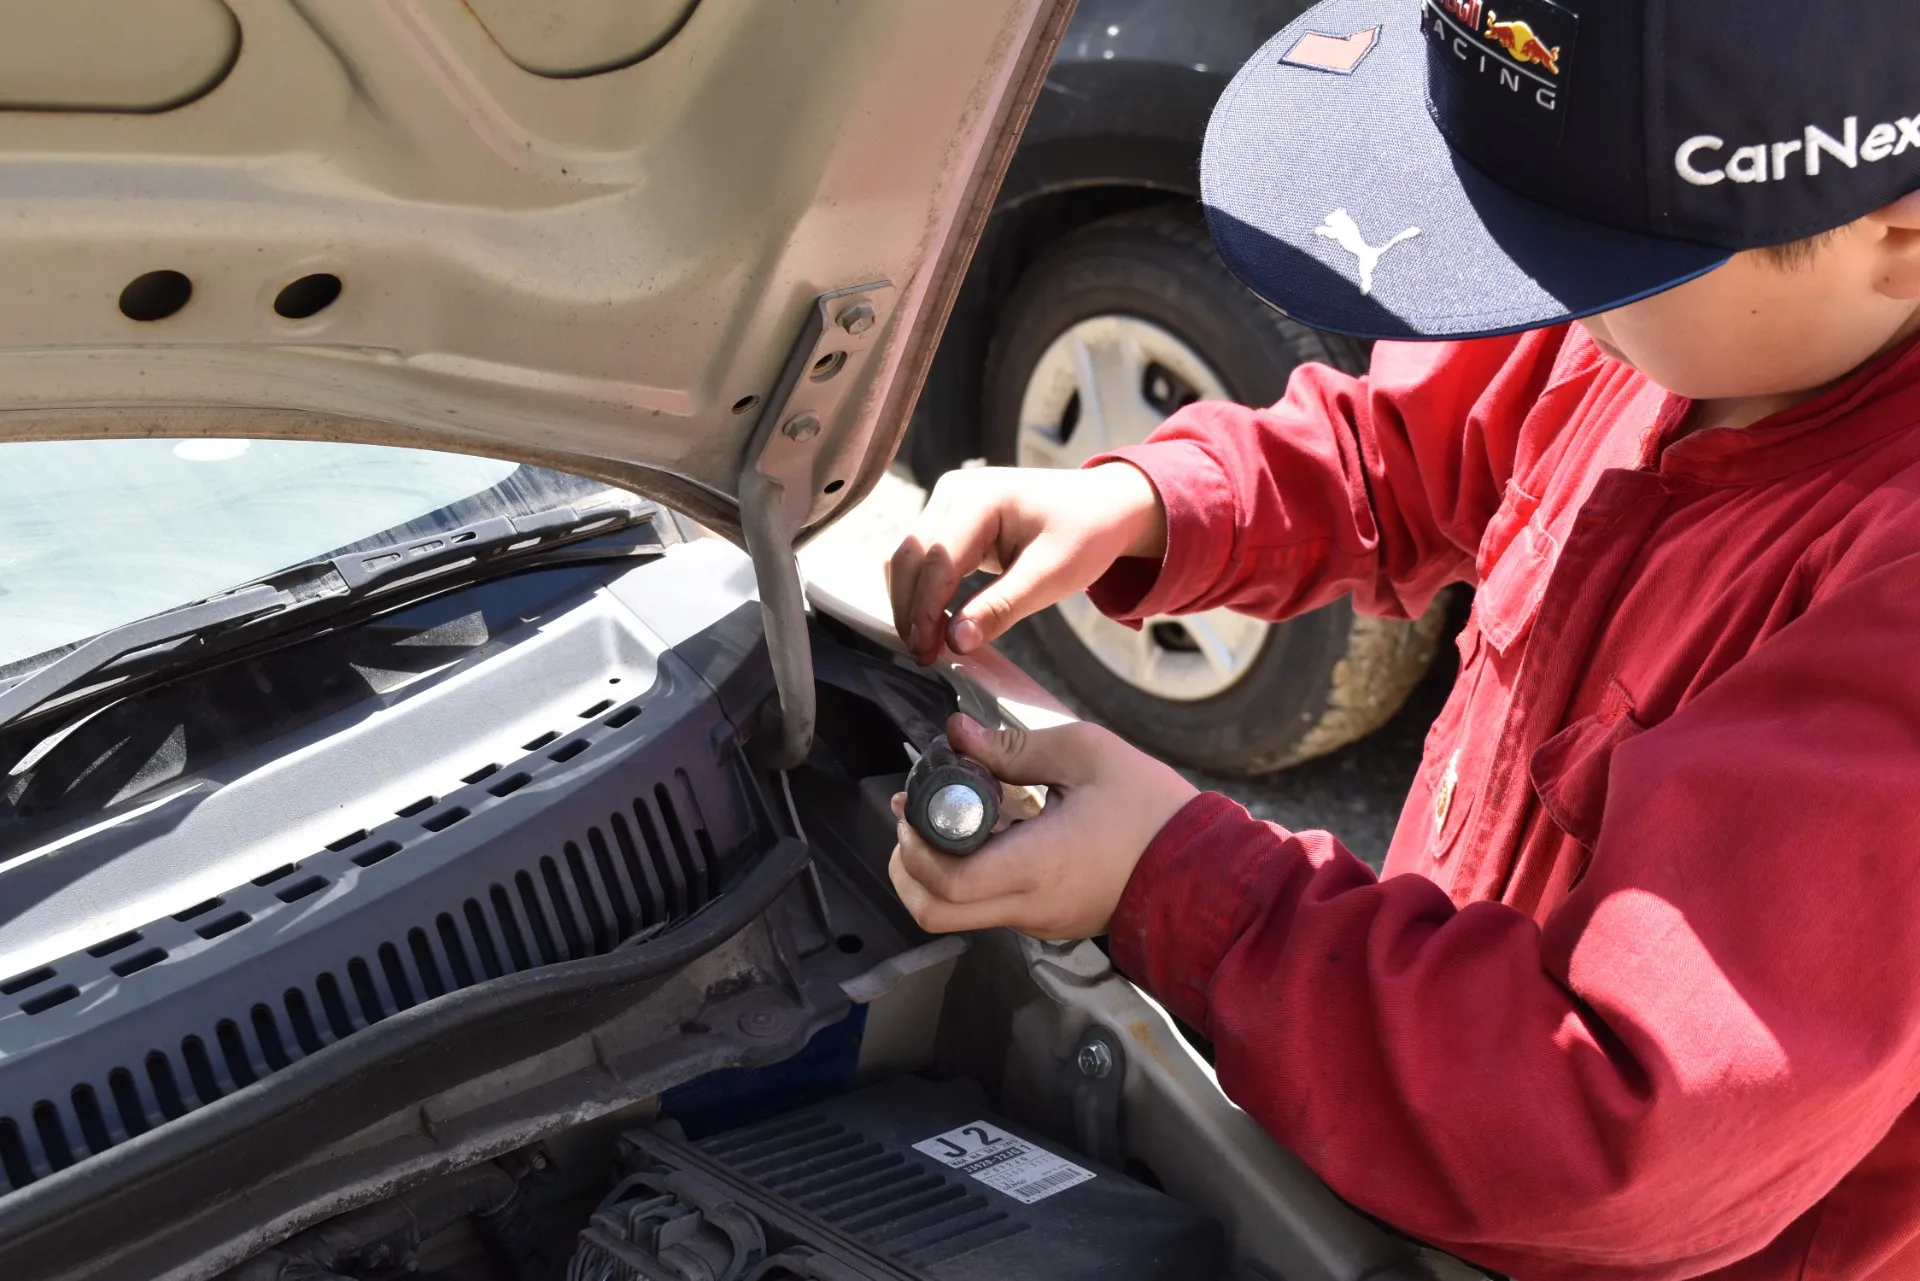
{"x": 614, "y": 826}
{"x": 908, "y": 1178}
{"x": 794, "y": 993}
{"x": 952, "y": 802}
{"x": 386, "y": 1236}
{"x": 246, "y": 1085}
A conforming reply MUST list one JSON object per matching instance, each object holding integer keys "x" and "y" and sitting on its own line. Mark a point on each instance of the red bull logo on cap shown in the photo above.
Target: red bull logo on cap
{"x": 1517, "y": 54}
{"x": 1521, "y": 44}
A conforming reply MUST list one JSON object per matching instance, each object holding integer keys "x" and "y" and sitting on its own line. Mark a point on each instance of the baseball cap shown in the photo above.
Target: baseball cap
{"x": 1464, "y": 168}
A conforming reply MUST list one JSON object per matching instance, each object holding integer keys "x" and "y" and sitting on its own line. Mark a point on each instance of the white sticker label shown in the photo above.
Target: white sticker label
{"x": 1004, "y": 1162}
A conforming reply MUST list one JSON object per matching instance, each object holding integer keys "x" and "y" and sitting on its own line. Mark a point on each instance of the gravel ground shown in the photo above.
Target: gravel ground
{"x": 1355, "y": 793}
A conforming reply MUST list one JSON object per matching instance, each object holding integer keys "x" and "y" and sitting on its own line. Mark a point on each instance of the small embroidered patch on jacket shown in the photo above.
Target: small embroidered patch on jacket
{"x": 1338, "y": 54}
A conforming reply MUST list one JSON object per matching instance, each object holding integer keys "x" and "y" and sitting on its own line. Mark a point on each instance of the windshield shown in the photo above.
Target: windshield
{"x": 97, "y": 533}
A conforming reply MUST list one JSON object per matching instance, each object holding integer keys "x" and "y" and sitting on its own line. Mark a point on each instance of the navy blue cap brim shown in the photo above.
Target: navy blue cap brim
{"x": 1306, "y": 171}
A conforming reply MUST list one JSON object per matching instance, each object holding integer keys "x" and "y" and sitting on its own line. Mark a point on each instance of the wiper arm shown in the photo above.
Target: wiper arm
{"x": 308, "y": 594}
{"x": 386, "y": 569}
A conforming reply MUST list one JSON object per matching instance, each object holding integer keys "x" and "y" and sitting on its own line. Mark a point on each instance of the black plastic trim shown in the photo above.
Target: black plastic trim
{"x": 56, "y": 1225}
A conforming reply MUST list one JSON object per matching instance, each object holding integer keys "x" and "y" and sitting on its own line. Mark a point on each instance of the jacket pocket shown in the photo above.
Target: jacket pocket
{"x": 1516, "y": 559}
{"x": 1570, "y": 770}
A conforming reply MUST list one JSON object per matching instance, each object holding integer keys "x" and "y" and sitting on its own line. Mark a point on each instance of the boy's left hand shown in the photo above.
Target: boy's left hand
{"x": 1058, "y": 876}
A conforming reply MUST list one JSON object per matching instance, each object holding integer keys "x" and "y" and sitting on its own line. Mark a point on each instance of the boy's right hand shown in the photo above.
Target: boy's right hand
{"x": 1048, "y": 534}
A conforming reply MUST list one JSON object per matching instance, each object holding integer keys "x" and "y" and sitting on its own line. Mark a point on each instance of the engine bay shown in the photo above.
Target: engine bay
{"x": 502, "y": 957}
{"x": 836, "y": 1191}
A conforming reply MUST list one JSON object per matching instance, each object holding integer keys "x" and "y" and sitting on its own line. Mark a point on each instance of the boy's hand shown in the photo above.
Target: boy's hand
{"x": 1047, "y": 533}
{"x": 1059, "y": 876}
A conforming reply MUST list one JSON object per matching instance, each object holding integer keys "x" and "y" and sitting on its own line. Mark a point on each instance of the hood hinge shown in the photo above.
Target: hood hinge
{"x": 778, "y": 487}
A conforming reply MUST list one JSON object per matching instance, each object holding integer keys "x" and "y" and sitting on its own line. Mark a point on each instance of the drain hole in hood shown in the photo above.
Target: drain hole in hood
{"x": 307, "y": 296}
{"x": 155, "y": 295}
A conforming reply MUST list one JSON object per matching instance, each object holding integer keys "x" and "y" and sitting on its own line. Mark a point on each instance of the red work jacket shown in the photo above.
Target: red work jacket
{"x": 1638, "y": 995}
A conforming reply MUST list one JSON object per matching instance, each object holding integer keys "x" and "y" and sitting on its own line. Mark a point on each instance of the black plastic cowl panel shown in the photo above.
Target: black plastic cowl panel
{"x": 630, "y": 821}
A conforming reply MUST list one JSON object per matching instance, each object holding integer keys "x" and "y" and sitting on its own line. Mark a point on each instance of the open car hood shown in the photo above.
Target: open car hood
{"x": 585, "y": 234}
{"x": 700, "y": 249}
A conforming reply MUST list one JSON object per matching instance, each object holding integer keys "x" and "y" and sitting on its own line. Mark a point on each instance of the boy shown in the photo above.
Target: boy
{"x": 1639, "y": 994}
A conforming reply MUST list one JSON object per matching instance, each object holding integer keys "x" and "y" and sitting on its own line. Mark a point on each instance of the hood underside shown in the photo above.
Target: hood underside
{"x": 586, "y": 234}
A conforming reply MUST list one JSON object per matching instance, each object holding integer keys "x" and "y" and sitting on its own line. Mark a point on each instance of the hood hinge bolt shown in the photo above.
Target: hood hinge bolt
{"x": 1095, "y": 1060}
{"x": 857, "y": 318}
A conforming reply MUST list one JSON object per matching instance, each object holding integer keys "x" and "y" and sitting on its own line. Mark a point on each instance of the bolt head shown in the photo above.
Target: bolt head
{"x": 1095, "y": 1060}
{"x": 802, "y": 427}
{"x": 761, "y": 1023}
{"x": 858, "y": 317}
{"x": 956, "y": 812}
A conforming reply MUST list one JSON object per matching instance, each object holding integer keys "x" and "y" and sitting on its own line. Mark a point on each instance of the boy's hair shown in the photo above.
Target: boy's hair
{"x": 1795, "y": 254}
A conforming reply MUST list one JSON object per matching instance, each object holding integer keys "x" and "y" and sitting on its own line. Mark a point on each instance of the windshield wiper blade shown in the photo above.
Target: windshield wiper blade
{"x": 309, "y": 594}
{"x": 171, "y": 630}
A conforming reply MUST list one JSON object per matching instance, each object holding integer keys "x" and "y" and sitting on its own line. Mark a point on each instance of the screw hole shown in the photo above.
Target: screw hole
{"x": 308, "y": 296}
{"x": 828, "y": 365}
{"x": 746, "y": 404}
{"x": 836, "y": 486}
{"x": 851, "y": 943}
{"x": 155, "y": 296}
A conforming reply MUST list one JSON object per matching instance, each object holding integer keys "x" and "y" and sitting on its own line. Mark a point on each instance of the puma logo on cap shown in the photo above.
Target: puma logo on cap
{"x": 1340, "y": 228}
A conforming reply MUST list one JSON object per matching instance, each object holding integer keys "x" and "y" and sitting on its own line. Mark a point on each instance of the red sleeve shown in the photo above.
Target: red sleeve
{"x": 1378, "y": 486}
{"x": 1721, "y": 1020}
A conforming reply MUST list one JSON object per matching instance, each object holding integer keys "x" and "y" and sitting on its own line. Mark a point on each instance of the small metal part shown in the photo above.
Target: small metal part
{"x": 1091, "y": 1083}
{"x": 857, "y": 317}
{"x": 1095, "y": 1060}
{"x": 761, "y": 1023}
{"x": 952, "y": 802}
{"x": 780, "y": 491}
{"x": 956, "y": 812}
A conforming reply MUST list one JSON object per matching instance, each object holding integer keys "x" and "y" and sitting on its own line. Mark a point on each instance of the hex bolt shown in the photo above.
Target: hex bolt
{"x": 802, "y": 427}
{"x": 761, "y": 1023}
{"x": 1095, "y": 1060}
{"x": 858, "y": 317}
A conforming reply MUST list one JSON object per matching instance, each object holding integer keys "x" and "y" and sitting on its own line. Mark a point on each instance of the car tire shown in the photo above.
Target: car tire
{"x": 1149, "y": 285}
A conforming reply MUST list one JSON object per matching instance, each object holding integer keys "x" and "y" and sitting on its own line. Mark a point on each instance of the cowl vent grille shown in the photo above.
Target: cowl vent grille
{"x": 602, "y": 833}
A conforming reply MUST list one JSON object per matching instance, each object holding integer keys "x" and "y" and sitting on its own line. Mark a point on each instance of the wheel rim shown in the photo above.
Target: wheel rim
{"x": 1106, "y": 382}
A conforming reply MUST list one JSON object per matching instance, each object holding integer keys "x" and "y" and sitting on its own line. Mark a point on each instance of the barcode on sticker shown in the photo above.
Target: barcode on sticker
{"x": 1004, "y": 1162}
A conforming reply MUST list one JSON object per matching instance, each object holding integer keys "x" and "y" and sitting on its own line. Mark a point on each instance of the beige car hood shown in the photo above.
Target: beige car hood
{"x": 589, "y": 234}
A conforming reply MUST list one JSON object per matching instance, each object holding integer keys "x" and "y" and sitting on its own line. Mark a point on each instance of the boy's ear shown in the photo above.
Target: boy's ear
{"x": 1899, "y": 265}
